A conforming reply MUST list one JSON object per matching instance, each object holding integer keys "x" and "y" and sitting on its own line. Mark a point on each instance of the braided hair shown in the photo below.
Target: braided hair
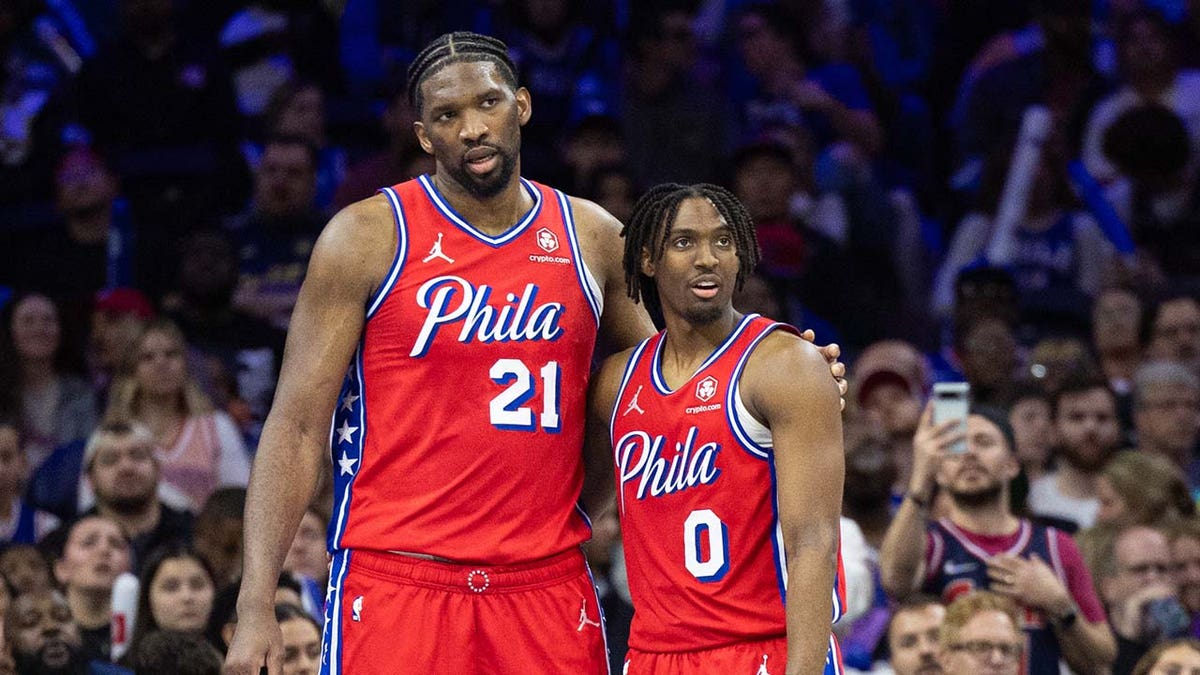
{"x": 651, "y": 223}
{"x": 457, "y": 47}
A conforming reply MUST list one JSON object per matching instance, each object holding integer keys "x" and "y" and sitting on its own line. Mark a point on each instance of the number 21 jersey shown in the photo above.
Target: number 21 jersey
{"x": 458, "y": 431}
{"x": 696, "y": 494}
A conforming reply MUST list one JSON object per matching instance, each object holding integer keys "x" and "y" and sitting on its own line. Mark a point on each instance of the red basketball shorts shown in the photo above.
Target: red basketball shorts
{"x": 763, "y": 657}
{"x": 390, "y": 613}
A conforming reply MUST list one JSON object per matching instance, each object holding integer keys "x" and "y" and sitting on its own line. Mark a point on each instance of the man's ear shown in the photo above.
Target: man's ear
{"x": 423, "y": 138}
{"x": 524, "y": 105}
{"x": 647, "y": 263}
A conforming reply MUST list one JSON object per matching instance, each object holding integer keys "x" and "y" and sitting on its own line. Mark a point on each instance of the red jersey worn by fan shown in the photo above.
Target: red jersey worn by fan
{"x": 696, "y": 495}
{"x": 457, "y": 435}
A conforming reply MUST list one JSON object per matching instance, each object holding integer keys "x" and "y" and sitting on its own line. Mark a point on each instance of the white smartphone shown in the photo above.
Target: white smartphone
{"x": 951, "y": 401}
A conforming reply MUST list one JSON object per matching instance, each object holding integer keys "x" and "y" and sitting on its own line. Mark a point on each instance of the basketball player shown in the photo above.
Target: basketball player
{"x": 727, "y": 440}
{"x": 446, "y": 326}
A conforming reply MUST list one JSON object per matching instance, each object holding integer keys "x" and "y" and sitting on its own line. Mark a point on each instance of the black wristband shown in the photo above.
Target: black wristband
{"x": 1065, "y": 621}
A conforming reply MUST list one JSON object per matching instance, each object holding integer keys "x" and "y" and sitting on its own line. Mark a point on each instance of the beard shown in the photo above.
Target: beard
{"x": 700, "y": 315}
{"x": 128, "y": 504}
{"x": 486, "y": 187}
{"x": 988, "y": 495}
{"x": 35, "y": 663}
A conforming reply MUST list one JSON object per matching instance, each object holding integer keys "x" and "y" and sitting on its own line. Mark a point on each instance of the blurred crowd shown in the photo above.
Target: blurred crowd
{"x": 1002, "y": 193}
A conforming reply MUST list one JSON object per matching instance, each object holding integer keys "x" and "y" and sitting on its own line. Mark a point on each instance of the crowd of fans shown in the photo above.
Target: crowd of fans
{"x": 1006, "y": 193}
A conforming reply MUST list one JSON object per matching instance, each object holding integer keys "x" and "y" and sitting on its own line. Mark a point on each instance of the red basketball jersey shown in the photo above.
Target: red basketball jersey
{"x": 459, "y": 428}
{"x": 696, "y": 492}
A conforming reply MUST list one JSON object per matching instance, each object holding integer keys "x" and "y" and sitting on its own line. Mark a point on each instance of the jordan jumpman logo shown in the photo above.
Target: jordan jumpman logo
{"x": 583, "y": 617}
{"x": 436, "y": 251}
{"x": 762, "y": 668}
{"x": 633, "y": 403}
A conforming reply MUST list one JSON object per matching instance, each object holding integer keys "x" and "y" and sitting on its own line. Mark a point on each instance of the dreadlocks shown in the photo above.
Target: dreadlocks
{"x": 651, "y": 223}
{"x": 457, "y": 47}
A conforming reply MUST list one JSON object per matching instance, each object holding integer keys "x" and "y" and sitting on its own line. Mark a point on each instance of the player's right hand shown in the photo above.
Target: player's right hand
{"x": 257, "y": 642}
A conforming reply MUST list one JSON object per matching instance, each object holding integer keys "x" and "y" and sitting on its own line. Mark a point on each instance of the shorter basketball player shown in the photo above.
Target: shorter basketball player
{"x": 727, "y": 440}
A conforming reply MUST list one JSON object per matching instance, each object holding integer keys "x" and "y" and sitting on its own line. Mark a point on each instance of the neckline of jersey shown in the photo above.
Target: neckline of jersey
{"x": 660, "y": 382}
{"x": 443, "y": 206}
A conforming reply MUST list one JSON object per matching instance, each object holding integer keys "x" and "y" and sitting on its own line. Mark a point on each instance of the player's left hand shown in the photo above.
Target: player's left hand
{"x": 831, "y": 352}
{"x": 1030, "y": 581}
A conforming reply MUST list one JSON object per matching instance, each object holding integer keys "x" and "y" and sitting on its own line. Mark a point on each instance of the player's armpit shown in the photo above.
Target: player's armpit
{"x": 598, "y": 478}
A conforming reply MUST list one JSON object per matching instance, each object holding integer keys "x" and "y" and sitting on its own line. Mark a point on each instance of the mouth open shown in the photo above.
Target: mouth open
{"x": 706, "y": 288}
{"x": 482, "y": 160}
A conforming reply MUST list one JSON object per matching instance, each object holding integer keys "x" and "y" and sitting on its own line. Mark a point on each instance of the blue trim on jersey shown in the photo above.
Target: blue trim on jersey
{"x": 600, "y": 610}
{"x": 444, "y": 207}
{"x": 731, "y": 393}
{"x": 780, "y": 558}
{"x": 577, "y": 253}
{"x": 344, "y": 485}
{"x": 630, "y": 367}
{"x": 660, "y": 383}
{"x": 381, "y": 293}
{"x": 331, "y": 639}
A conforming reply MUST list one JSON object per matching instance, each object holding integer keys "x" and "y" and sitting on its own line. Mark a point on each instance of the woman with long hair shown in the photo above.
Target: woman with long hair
{"x": 200, "y": 448}
{"x": 176, "y": 593}
{"x": 39, "y": 378}
{"x": 1143, "y": 489}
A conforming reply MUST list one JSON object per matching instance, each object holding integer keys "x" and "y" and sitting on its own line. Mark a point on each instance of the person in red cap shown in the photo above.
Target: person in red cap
{"x": 119, "y": 316}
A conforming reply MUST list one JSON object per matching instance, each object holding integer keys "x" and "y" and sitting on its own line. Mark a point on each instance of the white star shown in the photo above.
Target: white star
{"x": 346, "y": 432}
{"x": 349, "y": 400}
{"x": 347, "y": 463}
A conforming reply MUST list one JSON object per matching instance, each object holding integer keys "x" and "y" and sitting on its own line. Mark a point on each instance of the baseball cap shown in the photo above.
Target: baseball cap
{"x": 123, "y": 301}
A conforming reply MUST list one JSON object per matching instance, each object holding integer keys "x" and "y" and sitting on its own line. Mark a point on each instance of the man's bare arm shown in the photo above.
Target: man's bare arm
{"x": 623, "y": 323}
{"x": 597, "y": 444}
{"x": 786, "y": 384}
{"x": 349, "y": 259}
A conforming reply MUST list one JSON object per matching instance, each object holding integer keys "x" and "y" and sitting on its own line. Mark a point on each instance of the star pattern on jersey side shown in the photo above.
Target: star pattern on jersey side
{"x": 347, "y": 464}
{"x": 348, "y": 401}
{"x": 346, "y": 432}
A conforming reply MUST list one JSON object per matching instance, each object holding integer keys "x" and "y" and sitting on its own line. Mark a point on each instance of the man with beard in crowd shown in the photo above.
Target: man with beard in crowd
{"x": 913, "y": 636}
{"x": 46, "y": 640}
{"x": 981, "y": 544}
{"x": 1085, "y": 418}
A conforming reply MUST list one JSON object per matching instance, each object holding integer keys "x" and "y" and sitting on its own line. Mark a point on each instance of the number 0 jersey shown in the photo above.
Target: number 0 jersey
{"x": 696, "y": 493}
{"x": 459, "y": 427}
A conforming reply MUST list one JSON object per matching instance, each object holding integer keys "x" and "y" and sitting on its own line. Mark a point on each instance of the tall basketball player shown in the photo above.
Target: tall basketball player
{"x": 446, "y": 326}
{"x": 727, "y": 440}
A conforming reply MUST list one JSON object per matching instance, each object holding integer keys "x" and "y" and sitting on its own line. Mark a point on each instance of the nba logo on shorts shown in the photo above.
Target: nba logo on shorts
{"x": 356, "y": 608}
{"x": 706, "y": 388}
{"x": 547, "y": 240}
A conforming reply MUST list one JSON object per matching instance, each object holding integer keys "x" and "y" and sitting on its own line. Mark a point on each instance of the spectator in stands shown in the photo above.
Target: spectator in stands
{"x": 199, "y": 449}
{"x": 1030, "y": 416}
{"x": 242, "y": 352}
{"x": 891, "y": 380}
{"x": 20, "y": 522}
{"x": 218, "y": 533}
{"x": 307, "y": 560}
{"x": 675, "y": 118}
{"x": 301, "y": 641}
{"x": 1184, "y": 536}
{"x": 1175, "y": 656}
{"x": 119, "y": 316}
{"x": 223, "y": 620}
{"x": 90, "y": 246}
{"x": 1149, "y": 63}
{"x": 615, "y": 190}
{"x": 46, "y": 638}
{"x": 96, "y": 551}
{"x": 175, "y": 652}
{"x": 1166, "y": 406}
{"x": 592, "y": 143}
{"x": 175, "y": 593}
{"x": 1059, "y": 254}
{"x": 297, "y": 108}
{"x": 276, "y": 235}
{"x": 123, "y": 470}
{"x": 160, "y": 105}
{"x": 1132, "y": 568}
{"x": 828, "y": 99}
{"x": 1160, "y": 201}
{"x": 982, "y": 545}
{"x": 401, "y": 160}
{"x": 913, "y": 637}
{"x": 981, "y": 633}
{"x": 986, "y": 347}
{"x": 1085, "y": 420}
{"x": 1174, "y": 330}
{"x": 25, "y": 569}
{"x": 1116, "y": 339}
{"x": 39, "y": 375}
{"x": 1143, "y": 489}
